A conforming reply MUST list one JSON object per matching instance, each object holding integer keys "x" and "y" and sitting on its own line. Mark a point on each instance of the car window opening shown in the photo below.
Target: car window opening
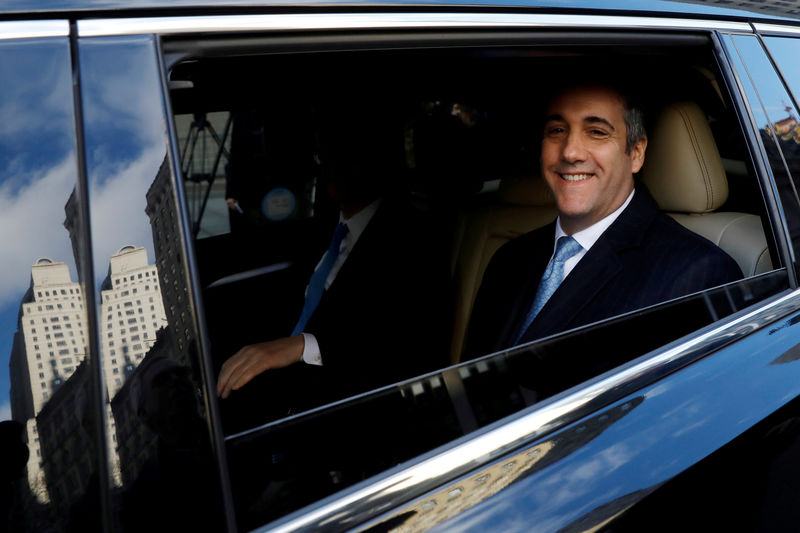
{"x": 260, "y": 138}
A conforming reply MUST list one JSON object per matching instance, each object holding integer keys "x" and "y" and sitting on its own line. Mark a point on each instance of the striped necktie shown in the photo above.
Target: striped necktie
{"x": 566, "y": 247}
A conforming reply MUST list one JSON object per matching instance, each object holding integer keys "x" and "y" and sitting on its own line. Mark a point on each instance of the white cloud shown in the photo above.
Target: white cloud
{"x": 32, "y": 226}
{"x": 117, "y": 211}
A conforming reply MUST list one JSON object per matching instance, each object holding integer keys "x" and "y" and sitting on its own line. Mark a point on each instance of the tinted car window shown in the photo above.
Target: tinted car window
{"x": 50, "y": 430}
{"x": 464, "y": 142}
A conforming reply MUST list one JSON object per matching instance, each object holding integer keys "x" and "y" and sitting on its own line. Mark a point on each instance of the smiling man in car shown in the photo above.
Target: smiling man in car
{"x": 610, "y": 250}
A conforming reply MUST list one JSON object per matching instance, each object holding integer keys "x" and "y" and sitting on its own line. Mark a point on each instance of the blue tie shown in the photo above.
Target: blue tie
{"x": 566, "y": 247}
{"x": 316, "y": 285}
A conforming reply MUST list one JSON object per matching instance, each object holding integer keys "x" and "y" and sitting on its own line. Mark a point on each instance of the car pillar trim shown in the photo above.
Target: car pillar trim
{"x": 362, "y": 502}
{"x": 777, "y": 29}
{"x": 378, "y": 21}
{"x": 33, "y": 29}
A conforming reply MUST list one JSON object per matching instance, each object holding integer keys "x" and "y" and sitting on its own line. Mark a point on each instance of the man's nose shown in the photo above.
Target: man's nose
{"x": 573, "y": 149}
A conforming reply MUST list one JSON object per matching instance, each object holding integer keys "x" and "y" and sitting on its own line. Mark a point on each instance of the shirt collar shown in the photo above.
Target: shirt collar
{"x": 587, "y": 237}
{"x": 357, "y": 223}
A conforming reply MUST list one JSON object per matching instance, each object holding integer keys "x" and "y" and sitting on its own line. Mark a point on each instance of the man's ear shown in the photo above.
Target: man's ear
{"x": 637, "y": 155}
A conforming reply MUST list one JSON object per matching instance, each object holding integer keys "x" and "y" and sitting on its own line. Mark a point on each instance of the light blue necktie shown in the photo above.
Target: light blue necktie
{"x": 566, "y": 247}
{"x": 316, "y": 285}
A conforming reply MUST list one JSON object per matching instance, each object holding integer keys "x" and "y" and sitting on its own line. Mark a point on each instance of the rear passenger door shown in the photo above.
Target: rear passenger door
{"x": 466, "y": 145}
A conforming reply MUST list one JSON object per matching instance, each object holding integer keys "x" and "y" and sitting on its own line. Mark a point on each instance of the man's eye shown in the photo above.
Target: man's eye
{"x": 598, "y": 133}
{"x": 555, "y": 130}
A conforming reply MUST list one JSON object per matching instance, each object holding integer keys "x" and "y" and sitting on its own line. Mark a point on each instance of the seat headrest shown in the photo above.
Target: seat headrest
{"x": 525, "y": 191}
{"x": 683, "y": 169}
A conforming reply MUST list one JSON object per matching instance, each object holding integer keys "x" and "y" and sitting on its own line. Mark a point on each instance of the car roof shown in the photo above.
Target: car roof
{"x": 765, "y": 10}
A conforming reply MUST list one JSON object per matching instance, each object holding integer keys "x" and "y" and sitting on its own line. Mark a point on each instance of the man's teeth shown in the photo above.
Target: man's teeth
{"x": 576, "y": 177}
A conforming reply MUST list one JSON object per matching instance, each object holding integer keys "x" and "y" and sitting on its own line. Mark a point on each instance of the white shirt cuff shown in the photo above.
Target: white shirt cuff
{"x": 311, "y": 354}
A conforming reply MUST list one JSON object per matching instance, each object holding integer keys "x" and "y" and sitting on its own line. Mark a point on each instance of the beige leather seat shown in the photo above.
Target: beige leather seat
{"x": 523, "y": 204}
{"x": 685, "y": 175}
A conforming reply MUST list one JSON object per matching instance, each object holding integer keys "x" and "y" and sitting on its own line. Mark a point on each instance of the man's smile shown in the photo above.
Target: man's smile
{"x": 575, "y": 177}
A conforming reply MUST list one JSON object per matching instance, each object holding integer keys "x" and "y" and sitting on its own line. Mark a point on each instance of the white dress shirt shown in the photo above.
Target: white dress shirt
{"x": 587, "y": 237}
{"x": 355, "y": 227}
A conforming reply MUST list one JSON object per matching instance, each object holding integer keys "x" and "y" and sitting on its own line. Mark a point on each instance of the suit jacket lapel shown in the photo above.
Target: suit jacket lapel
{"x": 538, "y": 255}
{"x": 354, "y": 265}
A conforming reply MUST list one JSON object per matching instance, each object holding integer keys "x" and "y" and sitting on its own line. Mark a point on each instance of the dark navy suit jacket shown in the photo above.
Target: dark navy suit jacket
{"x": 643, "y": 258}
{"x": 380, "y": 320}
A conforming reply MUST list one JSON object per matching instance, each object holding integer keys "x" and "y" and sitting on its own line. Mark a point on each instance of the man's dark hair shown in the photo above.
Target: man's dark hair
{"x": 632, "y": 110}
{"x": 634, "y": 120}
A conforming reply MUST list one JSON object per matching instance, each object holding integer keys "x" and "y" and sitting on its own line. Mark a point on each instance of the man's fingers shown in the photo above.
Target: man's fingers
{"x": 243, "y": 366}
{"x": 229, "y": 370}
{"x": 252, "y": 360}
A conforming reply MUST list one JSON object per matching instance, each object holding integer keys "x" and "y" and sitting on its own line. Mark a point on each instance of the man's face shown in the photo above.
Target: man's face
{"x": 583, "y": 155}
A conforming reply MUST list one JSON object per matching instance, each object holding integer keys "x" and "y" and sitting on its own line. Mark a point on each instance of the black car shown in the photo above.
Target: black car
{"x": 215, "y": 125}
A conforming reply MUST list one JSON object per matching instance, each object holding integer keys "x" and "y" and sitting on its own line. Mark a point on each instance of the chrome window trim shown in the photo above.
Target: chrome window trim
{"x": 777, "y": 29}
{"x": 33, "y": 29}
{"x": 362, "y": 502}
{"x": 385, "y": 21}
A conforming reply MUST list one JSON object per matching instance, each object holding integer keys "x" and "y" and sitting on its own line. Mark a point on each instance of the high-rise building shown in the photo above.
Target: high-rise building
{"x": 131, "y": 312}
{"x": 49, "y": 345}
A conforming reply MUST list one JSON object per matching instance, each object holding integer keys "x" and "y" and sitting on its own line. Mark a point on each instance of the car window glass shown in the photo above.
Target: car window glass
{"x": 49, "y": 422}
{"x": 161, "y": 458}
{"x": 786, "y": 127}
{"x": 773, "y": 111}
{"x": 468, "y": 156}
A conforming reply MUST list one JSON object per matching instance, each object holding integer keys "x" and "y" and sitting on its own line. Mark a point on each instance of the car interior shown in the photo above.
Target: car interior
{"x": 470, "y": 119}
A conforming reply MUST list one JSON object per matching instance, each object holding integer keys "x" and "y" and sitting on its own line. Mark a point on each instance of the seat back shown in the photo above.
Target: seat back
{"x": 523, "y": 204}
{"x": 684, "y": 173}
